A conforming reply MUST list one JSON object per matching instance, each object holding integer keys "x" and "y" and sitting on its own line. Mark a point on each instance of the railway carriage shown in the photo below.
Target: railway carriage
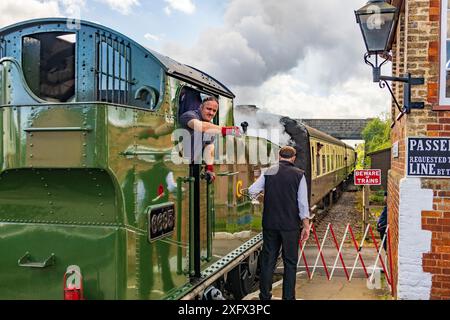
{"x": 332, "y": 162}
{"x": 92, "y": 203}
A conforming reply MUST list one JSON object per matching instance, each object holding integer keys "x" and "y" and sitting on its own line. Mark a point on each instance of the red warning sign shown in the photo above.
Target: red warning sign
{"x": 371, "y": 177}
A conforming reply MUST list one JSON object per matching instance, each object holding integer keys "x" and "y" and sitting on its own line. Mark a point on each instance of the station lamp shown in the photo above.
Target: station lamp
{"x": 378, "y": 22}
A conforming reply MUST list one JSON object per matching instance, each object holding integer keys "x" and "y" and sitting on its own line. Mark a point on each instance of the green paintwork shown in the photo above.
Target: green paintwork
{"x": 76, "y": 180}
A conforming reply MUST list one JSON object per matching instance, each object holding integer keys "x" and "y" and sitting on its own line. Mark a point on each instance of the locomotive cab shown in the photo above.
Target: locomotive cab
{"x": 90, "y": 182}
{"x": 83, "y": 184}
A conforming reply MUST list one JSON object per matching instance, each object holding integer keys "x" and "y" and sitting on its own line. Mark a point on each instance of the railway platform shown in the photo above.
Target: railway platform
{"x": 336, "y": 282}
{"x": 338, "y": 288}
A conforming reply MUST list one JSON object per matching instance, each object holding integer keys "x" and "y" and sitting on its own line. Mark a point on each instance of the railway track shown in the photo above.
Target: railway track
{"x": 344, "y": 211}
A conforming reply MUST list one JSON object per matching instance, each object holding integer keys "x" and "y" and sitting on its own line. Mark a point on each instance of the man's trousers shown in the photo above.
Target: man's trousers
{"x": 272, "y": 241}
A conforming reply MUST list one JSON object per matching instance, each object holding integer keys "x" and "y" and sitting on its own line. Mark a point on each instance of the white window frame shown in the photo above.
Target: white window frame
{"x": 443, "y": 100}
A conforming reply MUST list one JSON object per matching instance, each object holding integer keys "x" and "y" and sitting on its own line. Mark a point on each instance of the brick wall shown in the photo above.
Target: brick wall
{"x": 419, "y": 38}
{"x": 397, "y": 135}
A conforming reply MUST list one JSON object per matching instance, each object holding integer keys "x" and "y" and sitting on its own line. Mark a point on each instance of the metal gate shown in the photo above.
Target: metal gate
{"x": 370, "y": 267}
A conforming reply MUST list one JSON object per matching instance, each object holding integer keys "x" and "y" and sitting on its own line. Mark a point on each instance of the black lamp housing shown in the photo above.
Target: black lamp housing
{"x": 378, "y": 22}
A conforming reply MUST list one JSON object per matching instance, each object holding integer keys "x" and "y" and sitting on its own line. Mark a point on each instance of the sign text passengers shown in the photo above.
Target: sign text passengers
{"x": 428, "y": 157}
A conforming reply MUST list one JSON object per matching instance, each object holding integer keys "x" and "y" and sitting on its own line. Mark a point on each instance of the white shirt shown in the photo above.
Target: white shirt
{"x": 302, "y": 194}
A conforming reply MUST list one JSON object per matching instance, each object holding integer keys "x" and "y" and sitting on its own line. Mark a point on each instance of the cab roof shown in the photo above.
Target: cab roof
{"x": 171, "y": 67}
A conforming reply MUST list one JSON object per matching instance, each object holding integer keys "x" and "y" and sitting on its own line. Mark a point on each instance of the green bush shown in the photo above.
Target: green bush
{"x": 377, "y": 197}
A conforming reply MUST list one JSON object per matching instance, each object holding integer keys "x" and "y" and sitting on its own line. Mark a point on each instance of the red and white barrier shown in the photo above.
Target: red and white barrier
{"x": 339, "y": 248}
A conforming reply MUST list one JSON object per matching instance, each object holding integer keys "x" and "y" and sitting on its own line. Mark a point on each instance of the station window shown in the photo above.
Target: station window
{"x": 445, "y": 54}
{"x": 48, "y": 62}
{"x": 113, "y": 70}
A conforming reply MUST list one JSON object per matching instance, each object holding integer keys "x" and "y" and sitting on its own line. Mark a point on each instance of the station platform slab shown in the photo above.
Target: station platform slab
{"x": 338, "y": 288}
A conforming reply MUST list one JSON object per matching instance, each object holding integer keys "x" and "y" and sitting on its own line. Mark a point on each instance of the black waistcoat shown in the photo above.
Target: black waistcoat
{"x": 281, "y": 210}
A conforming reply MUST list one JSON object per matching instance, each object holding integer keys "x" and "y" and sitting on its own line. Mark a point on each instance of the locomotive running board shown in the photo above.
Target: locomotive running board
{"x": 216, "y": 270}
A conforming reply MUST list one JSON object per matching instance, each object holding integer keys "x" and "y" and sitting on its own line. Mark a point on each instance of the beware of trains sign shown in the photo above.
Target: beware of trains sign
{"x": 368, "y": 177}
{"x": 428, "y": 157}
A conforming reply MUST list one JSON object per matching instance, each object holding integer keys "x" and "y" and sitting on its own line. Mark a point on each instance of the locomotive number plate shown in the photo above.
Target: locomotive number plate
{"x": 161, "y": 220}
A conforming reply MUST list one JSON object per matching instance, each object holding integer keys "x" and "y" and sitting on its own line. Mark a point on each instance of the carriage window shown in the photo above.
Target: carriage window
{"x": 333, "y": 160}
{"x": 319, "y": 165}
{"x": 324, "y": 164}
{"x": 48, "y": 62}
{"x": 113, "y": 74}
{"x": 328, "y": 159}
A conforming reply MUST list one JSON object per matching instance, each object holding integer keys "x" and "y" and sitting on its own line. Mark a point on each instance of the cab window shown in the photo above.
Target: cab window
{"x": 48, "y": 62}
{"x": 113, "y": 70}
{"x": 191, "y": 99}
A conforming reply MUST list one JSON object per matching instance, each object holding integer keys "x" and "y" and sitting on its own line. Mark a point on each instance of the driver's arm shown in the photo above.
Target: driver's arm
{"x": 204, "y": 126}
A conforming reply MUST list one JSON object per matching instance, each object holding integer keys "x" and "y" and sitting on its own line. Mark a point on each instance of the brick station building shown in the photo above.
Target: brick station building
{"x": 419, "y": 208}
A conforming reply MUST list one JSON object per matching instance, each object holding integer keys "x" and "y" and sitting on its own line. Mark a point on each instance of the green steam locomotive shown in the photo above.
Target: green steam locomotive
{"x": 93, "y": 204}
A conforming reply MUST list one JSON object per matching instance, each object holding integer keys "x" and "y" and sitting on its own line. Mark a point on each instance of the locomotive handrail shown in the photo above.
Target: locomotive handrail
{"x": 136, "y": 153}
{"x": 180, "y": 181}
{"x": 57, "y": 129}
{"x": 209, "y": 218}
{"x": 191, "y": 181}
{"x": 25, "y": 261}
{"x": 227, "y": 174}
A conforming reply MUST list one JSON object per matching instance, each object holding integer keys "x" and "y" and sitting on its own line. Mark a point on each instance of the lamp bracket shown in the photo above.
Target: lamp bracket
{"x": 407, "y": 80}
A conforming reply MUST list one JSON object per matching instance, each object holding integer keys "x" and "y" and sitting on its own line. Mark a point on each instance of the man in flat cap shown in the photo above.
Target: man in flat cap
{"x": 286, "y": 212}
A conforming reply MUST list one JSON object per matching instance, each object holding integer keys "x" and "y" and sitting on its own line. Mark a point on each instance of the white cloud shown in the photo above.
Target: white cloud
{"x": 122, "y": 6}
{"x": 275, "y": 36}
{"x": 287, "y": 95}
{"x": 14, "y": 11}
{"x": 300, "y": 52}
{"x": 73, "y": 3}
{"x": 186, "y": 6}
{"x": 151, "y": 37}
{"x": 73, "y": 8}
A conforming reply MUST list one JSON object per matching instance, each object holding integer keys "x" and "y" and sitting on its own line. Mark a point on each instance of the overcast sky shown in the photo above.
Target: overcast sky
{"x": 300, "y": 58}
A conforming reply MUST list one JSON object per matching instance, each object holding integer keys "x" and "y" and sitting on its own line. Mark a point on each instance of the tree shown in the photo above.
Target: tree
{"x": 360, "y": 156}
{"x": 377, "y": 136}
